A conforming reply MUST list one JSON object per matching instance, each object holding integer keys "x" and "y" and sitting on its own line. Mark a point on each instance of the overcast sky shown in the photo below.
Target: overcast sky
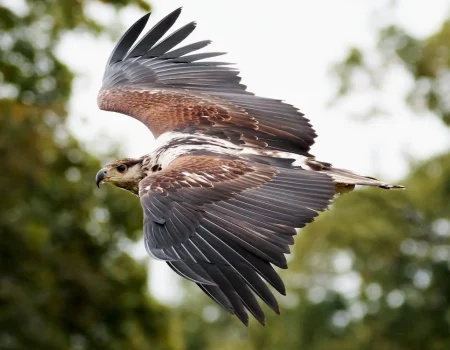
{"x": 284, "y": 49}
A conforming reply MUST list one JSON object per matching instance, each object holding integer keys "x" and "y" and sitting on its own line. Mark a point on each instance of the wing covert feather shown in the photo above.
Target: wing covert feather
{"x": 224, "y": 222}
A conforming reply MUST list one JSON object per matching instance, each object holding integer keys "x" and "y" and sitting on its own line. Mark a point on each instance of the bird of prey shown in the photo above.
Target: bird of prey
{"x": 231, "y": 177}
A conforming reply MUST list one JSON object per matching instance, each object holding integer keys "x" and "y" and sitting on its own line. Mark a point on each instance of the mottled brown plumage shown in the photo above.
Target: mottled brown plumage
{"x": 208, "y": 172}
{"x": 166, "y": 110}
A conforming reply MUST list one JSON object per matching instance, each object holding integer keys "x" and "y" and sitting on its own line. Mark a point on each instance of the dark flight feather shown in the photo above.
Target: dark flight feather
{"x": 186, "y": 49}
{"x": 125, "y": 42}
{"x": 171, "y": 41}
{"x": 153, "y": 35}
{"x": 210, "y": 218}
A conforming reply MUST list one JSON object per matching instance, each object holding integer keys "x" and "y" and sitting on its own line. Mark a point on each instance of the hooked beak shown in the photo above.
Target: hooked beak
{"x": 100, "y": 177}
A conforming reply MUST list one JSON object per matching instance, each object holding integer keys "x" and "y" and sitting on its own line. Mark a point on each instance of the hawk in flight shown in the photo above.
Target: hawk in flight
{"x": 231, "y": 177}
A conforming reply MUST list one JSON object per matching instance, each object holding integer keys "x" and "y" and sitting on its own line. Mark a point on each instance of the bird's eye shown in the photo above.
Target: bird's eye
{"x": 121, "y": 168}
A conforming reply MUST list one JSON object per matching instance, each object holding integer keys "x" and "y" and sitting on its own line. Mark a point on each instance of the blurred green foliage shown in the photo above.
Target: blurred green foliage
{"x": 426, "y": 60}
{"x": 371, "y": 273}
{"x": 65, "y": 282}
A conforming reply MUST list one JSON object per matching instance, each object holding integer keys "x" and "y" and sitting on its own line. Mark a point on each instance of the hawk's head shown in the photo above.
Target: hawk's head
{"x": 124, "y": 173}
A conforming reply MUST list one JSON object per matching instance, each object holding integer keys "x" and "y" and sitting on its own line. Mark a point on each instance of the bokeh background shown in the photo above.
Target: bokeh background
{"x": 371, "y": 273}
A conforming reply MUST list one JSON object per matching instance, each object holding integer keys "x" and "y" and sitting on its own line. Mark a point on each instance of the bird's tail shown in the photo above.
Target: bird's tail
{"x": 345, "y": 179}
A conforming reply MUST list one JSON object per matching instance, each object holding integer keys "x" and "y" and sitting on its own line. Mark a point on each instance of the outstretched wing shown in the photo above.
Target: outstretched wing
{"x": 175, "y": 89}
{"x": 222, "y": 222}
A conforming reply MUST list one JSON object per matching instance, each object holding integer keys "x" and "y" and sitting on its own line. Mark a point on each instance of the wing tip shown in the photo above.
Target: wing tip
{"x": 146, "y": 16}
{"x": 243, "y": 319}
{"x": 277, "y": 310}
{"x": 191, "y": 26}
{"x": 127, "y": 39}
{"x": 175, "y": 13}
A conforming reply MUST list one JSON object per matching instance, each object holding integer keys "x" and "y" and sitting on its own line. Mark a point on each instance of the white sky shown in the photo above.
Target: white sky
{"x": 284, "y": 49}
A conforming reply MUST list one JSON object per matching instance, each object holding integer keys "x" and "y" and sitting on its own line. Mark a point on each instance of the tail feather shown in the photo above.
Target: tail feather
{"x": 345, "y": 179}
